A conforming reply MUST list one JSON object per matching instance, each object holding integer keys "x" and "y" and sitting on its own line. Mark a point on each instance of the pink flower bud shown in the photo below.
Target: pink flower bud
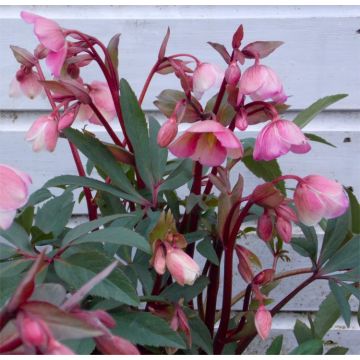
{"x": 182, "y": 267}
{"x": 241, "y": 120}
{"x": 278, "y": 138}
{"x": 34, "y": 332}
{"x": 245, "y": 256}
{"x": 317, "y": 197}
{"x": 43, "y": 133}
{"x": 265, "y": 227}
{"x": 14, "y": 193}
{"x": 286, "y": 212}
{"x": 284, "y": 229}
{"x": 263, "y": 322}
{"x": 66, "y": 120}
{"x": 267, "y": 195}
{"x": 264, "y": 277}
{"x": 261, "y": 83}
{"x": 232, "y": 74}
{"x": 167, "y": 132}
{"x": 115, "y": 345}
{"x": 41, "y": 52}
{"x": 205, "y": 77}
{"x": 159, "y": 261}
{"x": 56, "y": 348}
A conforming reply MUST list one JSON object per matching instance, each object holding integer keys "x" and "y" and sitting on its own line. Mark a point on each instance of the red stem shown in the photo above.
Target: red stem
{"x": 148, "y": 80}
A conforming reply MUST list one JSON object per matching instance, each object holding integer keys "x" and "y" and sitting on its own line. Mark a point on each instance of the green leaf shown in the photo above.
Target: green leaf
{"x": 305, "y": 116}
{"x": 85, "y": 228}
{"x": 326, "y": 316}
{"x": 199, "y": 333}
{"x": 347, "y": 257}
{"x": 115, "y": 235}
{"x": 55, "y": 214}
{"x": 137, "y": 131}
{"x": 340, "y": 296}
{"x": 25, "y": 219}
{"x": 275, "y": 347}
{"x": 318, "y": 139}
{"x": 179, "y": 176}
{"x": 158, "y": 155}
{"x": 174, "y": 292}
{"x": 206, "y": 249}
{"x": 335, "y": 233}
{"x": 302, "y": 332}
{"x": 81, "y": 181}
{"x": 355, "y": 212}
{"x": 81, "y": 346}
{"x": 307, "y": 246}
{"x": 6, "y": 251}
{"x": 337, "y": 350}
{"x": 38, "y": 196}
{"x": 93, "y": 149}
{"x": 145, "y": 329}
{"x": 12, "y": 268}
{"x": 79, "y": 268}
{"x": 17, "y": 236}
{"x": 310, "y": 347}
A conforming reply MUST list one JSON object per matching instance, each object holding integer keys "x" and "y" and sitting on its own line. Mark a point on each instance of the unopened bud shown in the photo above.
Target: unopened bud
{"x": 232, "y": 74}
{"x": 263, "y": 322}
{"x": 267, "y": 195}
{"x": 284, "y": 229}
{"x": 264, "y": 277}
{"x": 167, "y": 132}
{"x": 41, "y": 52}
{"x": 33, "y": 331}
{"x": 265, "y": 227}
{"x": 241, "y": 120}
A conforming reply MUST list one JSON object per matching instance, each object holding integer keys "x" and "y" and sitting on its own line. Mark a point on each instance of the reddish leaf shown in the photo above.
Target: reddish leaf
{"x": 221, "y": 50}
{"x": 77, "y": 90}
{"x": 260, "y": 48}
{"x": 23, "y": 56}
{"x": 55, "y": 87}
{"x": 113, "y": 49}
{"x": 164, "y": 45}
{"x": 237, "y": 38}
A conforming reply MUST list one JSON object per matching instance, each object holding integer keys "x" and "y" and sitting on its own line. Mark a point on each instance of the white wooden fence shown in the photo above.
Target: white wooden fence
{"x": 321, "y": 56}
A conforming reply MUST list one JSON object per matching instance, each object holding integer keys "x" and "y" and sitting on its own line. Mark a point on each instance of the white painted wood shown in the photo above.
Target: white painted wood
{"x": 319, "y": 56}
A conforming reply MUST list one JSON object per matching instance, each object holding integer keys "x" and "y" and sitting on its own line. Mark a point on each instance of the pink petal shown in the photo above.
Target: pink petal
{"x": 206, "y": 126}
{"x": 185, "y": 145}
{"x": 14, "y": 89}
{"x": 209, "y": 151}
{"x": 51, "y": 135}
{"x": 206, "y": 76}
{"x": 290, "y": 132}
{"x": 85, "y": 112}
{"x": 228, "y": 139}
{"x": 252, "y": 79}
{"x": 30, "y": 85}
{"x": 55, "y": 60}
{"x": 29, "y": 17}
{"x": 6, "y": 218}
{"x": 49, "y": 34}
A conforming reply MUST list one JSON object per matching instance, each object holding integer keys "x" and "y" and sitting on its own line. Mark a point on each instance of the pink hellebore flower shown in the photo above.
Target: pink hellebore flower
{"x": 43, "y": 133}
{"x": 263, "y": 322}
{"x": 205, "y": 77}
{"x": 101, "y": 96}
{"x": 52, "y": 36}
{"x": 182, "y": 267}
{"x": 208, "y": 142}
{"x": 14, "y": 193}
{"x": 317, "y": 197}
{"x": 261, "y": 83}
{"x": 26, "y": 82}
{"x": 278, "y": 138}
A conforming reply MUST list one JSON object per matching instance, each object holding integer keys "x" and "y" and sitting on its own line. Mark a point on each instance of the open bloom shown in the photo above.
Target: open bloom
{"x": 208, "y": 142}
{"x": 52, "y": 36}
{"x": 14, "y": 193}
{"x": 278, "y": 138}
{"x": 317, "y": 197}
{"x": 205, "y": 77}
{"x": 101, "y": 97}
{"x": 43, "y": 133}
{"x": 182, "y": 267}
{"x": 263, "y": 322}
{"x": 26, "y": 81}
{"x": 261, "y": 83}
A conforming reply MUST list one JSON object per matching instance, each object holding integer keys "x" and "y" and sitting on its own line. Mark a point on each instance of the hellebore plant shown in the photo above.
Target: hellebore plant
{"x": 142, "y": 275}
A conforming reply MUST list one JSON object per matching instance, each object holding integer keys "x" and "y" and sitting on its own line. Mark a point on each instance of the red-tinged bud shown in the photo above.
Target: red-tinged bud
{"x": 284, "y": 229}
{"x": 246, "y": 258}
{"x": 263, "y": 322}
{"x": 56, "y": 348}
{"x": 66, "y": 120}
{"x": 115, "y": 345}
{"x": 267, "y": 195}
{"x": 73, "y": 71}
{"x": 232, "y": 74}
{"x": 159, "y": 262}
{"x": 264, "y": 277}
{"x": 265, "y": 227}
{"x": 237, "y": 37}
{"x": 167, "y": 132}
{"x": 33, "y": 331}
{"x": 241, "y": 120}
{"x": 41, "y": 52}
{"x": 179, "y": 321}
{"x": 23, "y": 56}
{"x": 286, "y": 212}
{"x": 104, "y": 317}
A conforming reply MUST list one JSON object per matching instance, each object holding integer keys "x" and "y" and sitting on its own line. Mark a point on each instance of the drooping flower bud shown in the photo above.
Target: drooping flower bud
{"x": 264, "y": 277}
{"x": 26, "y": 82}
{"x": 167, "y": 132}
{"x": 159, "y": 262}
{"x": 263, "y": 322}
{"x": 66, "y": 120}
{"x": 267, "y": 195}
{"x": 284, "y": 229}
{"x": 205, "y": 77}
{"x": 232, "y": 74}
{"x": 241, "y": 120}
{"x": 56, "y": 348}
{"x": 265, "y": 226}
{"x": 115, "y": 345}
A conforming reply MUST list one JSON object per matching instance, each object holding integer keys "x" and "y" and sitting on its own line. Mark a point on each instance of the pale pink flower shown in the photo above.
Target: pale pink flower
{"x": 261, "y": 83}
{"x": 278, "y": 138}
{"x": 205, "y": 77}
{"x": 26, "y": 81}
{"x": 101, "y": 97}
{"x": 182, "y": 267}
{"x": 14, "y": 193}
{"x": 263, "y": 322}
{"x": 317, "y": 197}
{"x": 52, "y": 36}
{"x": 43, "y": 133}
{"x": 265, "y": 226}
{"x": 208, "y": 142}
{"x": 167, "y": 132}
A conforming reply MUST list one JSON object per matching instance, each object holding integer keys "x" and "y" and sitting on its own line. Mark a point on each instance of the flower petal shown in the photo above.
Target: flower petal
{"x": 185, "y": 145}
